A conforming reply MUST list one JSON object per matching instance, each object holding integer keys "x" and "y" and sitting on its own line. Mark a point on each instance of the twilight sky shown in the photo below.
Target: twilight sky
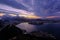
{"x": 42, "y": 8}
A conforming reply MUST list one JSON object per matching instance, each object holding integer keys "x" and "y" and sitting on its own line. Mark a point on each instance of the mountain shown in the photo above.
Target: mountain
{"x": 18, "y": 19}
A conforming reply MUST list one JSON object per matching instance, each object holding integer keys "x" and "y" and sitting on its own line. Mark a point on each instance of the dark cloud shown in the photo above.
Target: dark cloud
{"x": 13, "y": 3}
{"x": 40, "y": 7}
{"x": 51, "y": 6}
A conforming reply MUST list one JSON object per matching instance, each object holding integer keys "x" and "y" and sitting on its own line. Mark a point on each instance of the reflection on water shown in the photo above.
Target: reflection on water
{"x": 27, "y": 27}
{"x": 50, "y": 28}
{"x": 45, "y": 27}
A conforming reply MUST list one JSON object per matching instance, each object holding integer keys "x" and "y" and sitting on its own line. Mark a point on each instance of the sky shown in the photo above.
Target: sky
{"x": 43, "y": 8}
{"x": 32, "y": 9}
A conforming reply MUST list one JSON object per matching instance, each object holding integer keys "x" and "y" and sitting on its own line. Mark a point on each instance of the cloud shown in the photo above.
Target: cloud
{"x": 6, "y": 7}
{"x": 27, "y": 3}
{"x": 53, "y": 17}
{"x": 38, "y": 7}
{"x": 46, "y": 7}
{"x": 20, "y": 12}
{"x": 13, "y": 3}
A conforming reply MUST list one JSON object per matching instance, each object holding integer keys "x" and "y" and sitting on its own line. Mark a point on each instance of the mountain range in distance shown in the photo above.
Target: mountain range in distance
{"x": 18, "y": 19}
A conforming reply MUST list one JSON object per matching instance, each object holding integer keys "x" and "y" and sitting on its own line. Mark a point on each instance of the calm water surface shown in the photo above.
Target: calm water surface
{"x": 53, "y": 28}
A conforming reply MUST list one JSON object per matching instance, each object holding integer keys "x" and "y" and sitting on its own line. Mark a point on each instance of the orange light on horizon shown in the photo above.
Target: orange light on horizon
{"x": 1, "y": 14}
{"x": 52, "y": 16}
{"x": 30, "y": 16}
{"x": 12, "y": 15}
{"x": 33, "y": 17}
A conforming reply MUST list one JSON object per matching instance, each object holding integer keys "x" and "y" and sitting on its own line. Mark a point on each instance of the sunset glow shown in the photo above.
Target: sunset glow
{"x": 52, "y": 16}
{"x": 29, "y": 15}
{"x": 12, "y": 15}
{"x": 1, "y": 14}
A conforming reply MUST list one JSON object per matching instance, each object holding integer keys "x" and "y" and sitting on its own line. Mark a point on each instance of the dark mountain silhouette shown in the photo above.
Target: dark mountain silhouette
{"x": 9, "y": 32}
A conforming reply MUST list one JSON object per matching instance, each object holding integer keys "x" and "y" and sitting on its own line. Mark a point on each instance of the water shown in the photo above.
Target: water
{"x": 53, "y": 28}
{"x": 28, "y": 27}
